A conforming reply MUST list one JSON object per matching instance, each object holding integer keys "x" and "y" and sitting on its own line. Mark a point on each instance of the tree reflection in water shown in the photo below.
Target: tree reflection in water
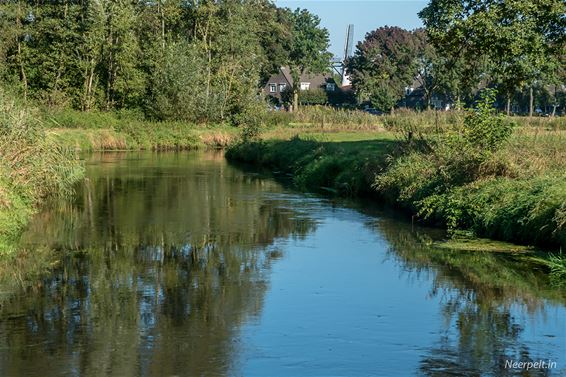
{"x": 161, "y": 274}
{"x": 482, "y": 296}
{"x": 167, "y": 256}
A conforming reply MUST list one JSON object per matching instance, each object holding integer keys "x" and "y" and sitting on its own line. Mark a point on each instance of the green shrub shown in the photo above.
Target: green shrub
{"x": 557, "y": 265}
{"x": 484, "y": 128}
{"x": 529, "y": 211}
{"x": 250, "y": 120}
{"x": 313, "y": 97}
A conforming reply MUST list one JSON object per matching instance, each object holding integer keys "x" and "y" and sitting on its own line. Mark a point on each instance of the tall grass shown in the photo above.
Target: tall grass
{"x": 325, "y": 117}
{"x": 547, "y": 123}
{"x": 557, "y": 265}
{"x": 129, "y": 131}
{"x": 31, "y": 167}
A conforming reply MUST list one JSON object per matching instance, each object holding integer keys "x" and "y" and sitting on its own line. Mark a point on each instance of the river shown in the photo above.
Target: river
{"x": 180, "y": 264}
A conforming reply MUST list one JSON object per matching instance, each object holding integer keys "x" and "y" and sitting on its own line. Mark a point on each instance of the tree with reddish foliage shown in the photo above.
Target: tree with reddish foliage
{"x": 384, "y": 64}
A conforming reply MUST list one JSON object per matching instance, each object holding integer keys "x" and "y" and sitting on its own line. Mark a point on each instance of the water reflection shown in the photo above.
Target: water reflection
{"x": 170, "y": 256}
{"x": 484, "y": 299}
{"x": 179, "y": 264}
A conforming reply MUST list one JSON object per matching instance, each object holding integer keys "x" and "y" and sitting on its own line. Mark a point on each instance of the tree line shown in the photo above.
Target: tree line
{"x": 194, "y": 60}
{"x": 205, "y": 60}
{"x": 515, "y": 46}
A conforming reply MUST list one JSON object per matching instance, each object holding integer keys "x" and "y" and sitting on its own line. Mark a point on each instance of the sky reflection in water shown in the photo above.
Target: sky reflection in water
{"x": 181, "y": 264}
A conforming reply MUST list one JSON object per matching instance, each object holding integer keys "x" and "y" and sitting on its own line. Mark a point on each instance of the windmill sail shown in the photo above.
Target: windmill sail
{"x": 348, "y": 47}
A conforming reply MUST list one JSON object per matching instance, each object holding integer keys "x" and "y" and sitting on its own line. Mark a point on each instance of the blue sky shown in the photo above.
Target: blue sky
{"x": 366, "y": 15}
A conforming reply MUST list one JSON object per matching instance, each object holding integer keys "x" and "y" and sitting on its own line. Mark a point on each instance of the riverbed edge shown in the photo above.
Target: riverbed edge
{"x": 20, "y": 207}
{"x": 326, "y": 168}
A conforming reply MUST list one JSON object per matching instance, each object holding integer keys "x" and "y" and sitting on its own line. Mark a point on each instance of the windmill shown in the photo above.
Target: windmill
{"x": 339, "y": 65}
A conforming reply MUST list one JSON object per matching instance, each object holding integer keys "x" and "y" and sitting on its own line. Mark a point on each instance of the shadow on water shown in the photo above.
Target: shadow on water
{"x": 166, "y": 256}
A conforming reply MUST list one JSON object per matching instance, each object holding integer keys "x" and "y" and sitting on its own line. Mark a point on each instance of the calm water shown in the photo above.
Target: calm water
{"x": 179, "y": 264}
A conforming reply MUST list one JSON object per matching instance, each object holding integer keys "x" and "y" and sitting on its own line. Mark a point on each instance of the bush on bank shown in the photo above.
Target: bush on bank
{"x": 464, "y": 180}
{"x": 32, "y": 167}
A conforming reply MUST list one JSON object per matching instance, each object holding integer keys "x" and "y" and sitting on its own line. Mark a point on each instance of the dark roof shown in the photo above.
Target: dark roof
{"x": 285, "y": 72}
{"x": 316, "y": 80}
{"x": 347, "y": 88}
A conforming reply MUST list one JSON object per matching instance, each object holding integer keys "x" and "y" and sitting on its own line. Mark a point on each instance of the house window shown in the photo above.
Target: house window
{"x": 305, "y": 85}
{"x": 272, "y": 88}
{"x": 436, "y": 103}
{"x": 282, "y": 87}
{"x": 330, "y": 87}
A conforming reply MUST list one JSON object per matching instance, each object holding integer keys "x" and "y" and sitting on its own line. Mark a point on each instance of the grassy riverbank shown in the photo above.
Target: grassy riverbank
{"x": 88, "y": 131}
{"x": 514, "y": 193}
{"x": 126, "y": 131}
{"x": 32, "y": 167}
{"x": 97, "y": 130}
{"x": 38, "y": 156}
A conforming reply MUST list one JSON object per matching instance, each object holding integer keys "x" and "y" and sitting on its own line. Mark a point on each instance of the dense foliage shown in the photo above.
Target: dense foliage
{"x": 384, "y": 64}
{"x": 186, "y": 60}
{"x": 519, "y": 43}
{"x": 204, "y": 61}
{"x": 515, "y": 46}
{"x": 308, "y": 49}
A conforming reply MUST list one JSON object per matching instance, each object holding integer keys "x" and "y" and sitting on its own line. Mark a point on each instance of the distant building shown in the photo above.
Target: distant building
{"x": 415, "y": 98}
{"x": 282, "y": 82}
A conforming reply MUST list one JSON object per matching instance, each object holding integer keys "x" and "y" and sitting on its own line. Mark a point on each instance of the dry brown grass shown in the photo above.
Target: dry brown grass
{"x": 4, "y": 201}
{"x": 108, "y": 140}
{"x": 217, "y": 139}
{"x": 549, "y": 123}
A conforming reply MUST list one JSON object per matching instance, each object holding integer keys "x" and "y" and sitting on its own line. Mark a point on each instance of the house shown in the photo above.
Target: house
{"x": 415, "y": 98}
{"x": 282, "y": 82}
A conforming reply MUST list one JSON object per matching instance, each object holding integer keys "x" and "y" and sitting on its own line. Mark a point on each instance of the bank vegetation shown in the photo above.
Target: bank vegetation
{"x": 474, "y": 170}
{"x": 32, "y": 167}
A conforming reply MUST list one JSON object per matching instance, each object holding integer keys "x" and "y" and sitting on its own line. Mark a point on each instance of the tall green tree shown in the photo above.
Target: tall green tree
{"x": 308, "y": 50}
{"x": 14, "y": 49}
{"x": 89, "y": 52}
{"x": 178, "y": 82}
{"x": 276, "y": 39}
{"x": 225, "y": 54}
{"x": 122, "y": 77}
{"x": 516, "y": 37}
